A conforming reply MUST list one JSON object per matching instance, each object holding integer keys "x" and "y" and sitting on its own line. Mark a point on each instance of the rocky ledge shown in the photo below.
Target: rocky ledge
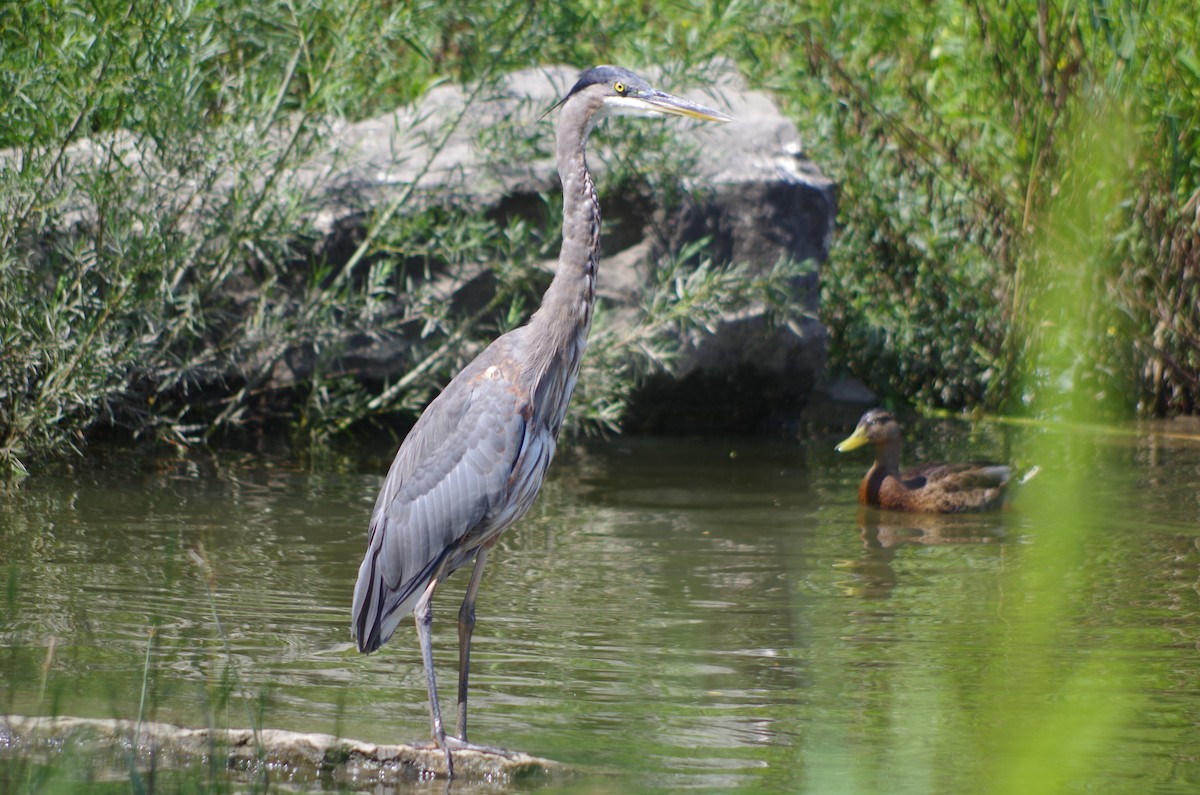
{"x": 263, "y": 754}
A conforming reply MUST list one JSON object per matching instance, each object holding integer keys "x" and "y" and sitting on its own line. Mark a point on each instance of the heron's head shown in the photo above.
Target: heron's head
{"x": 876, "y": 427}
{"x": 611, "y": 90}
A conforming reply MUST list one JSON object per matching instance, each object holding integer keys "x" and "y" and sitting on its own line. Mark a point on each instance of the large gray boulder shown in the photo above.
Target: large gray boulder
{"x": 755, "y": 196}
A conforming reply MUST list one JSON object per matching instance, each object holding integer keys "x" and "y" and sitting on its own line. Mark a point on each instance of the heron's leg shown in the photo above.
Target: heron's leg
{"x": 466, "y": 625}
{"x": 423, "y": 615}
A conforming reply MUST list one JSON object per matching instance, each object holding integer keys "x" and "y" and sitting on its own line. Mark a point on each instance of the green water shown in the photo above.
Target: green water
{"x": 703, "y": 615}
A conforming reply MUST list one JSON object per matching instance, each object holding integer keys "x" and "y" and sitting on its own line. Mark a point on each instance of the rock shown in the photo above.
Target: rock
{"x": 751, "y": 376}
{"x": 757, "y": 198}
{"x": 294, "y": 757}
{"x": 838, "y": 403}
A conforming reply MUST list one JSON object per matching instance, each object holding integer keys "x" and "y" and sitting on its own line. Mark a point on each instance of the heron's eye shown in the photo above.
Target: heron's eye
{"x": 619, "y": 87}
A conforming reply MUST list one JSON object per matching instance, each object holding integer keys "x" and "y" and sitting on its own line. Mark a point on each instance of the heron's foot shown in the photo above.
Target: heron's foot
{"x": 457, "y": 744}
{"x": 450, "y": 744}
{"x": 440, "y": 743}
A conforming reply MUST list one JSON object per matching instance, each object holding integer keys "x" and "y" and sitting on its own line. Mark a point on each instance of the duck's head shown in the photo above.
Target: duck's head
{"x": 877, "y": 427}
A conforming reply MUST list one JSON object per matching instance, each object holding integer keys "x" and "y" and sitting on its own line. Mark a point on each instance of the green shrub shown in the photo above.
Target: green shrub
{"x": 946, "y": 126}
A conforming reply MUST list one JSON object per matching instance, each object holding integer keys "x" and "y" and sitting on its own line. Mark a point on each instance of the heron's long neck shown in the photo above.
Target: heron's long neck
{"x": 567, "y": 304}
{"x": 562, "y": 323}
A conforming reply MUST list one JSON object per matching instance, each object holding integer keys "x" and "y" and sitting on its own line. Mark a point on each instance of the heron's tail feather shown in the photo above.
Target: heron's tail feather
{"x": 379, "y": 608}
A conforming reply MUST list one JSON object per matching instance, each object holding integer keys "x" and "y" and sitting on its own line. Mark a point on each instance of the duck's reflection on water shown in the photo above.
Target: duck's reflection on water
{"x": 884, "y": 533}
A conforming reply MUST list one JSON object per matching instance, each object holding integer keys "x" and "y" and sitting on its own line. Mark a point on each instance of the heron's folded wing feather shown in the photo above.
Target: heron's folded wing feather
{"x": 449, "y": 475}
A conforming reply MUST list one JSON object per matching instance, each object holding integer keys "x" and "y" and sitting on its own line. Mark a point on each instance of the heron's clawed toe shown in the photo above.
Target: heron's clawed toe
{"x": 457, "y": 744}
{"x": 450, "y": 745}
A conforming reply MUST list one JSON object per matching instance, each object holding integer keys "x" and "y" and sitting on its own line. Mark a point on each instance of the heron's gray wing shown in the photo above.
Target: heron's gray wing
{"x": 450, "y": 475}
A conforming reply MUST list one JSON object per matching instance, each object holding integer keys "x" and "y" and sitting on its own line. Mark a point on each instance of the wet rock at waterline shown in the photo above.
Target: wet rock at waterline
{"x": 278, "y": 755}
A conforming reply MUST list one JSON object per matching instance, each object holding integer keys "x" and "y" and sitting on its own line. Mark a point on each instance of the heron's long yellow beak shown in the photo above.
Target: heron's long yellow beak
{"x": 671, "y": 105}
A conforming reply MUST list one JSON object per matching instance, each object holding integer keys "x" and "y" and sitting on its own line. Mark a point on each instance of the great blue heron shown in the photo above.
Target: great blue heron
{"x": 474, "y": 461}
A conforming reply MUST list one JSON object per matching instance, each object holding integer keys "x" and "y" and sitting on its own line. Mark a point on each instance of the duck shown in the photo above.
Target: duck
{"x": 926, "y": 488}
